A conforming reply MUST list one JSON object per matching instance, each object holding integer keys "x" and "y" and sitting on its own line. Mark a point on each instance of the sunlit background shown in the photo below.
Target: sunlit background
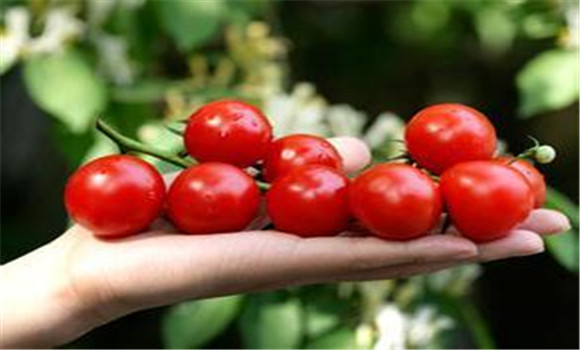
{"x": 330, "y": 68}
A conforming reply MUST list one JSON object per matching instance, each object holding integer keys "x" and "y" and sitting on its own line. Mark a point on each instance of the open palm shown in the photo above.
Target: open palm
{"x": 163, "y": 266}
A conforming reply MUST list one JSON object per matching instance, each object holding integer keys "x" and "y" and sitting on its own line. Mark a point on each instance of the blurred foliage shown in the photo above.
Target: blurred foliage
{"x": 564, "y": 246}
{"x": 142, "y": 64}
{"x": 549, "y": 82}
{"x": 190, "y": 23}
{"x": 76, "y": 82}
{"x": 271, "y": 321}
{"x": 192, "y": 324}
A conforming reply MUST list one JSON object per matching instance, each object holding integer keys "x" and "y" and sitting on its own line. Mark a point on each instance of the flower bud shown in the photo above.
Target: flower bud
{"x": 545, "y": 154}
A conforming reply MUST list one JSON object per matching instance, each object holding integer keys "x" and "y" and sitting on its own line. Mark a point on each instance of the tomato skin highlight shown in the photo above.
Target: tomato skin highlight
{"x": 292, "y": 151}
{"x": 443, "y": 135}
{"x": 228, "y": 131}
{"x": 310, "y": 201}
{"x": 212, "y": 198}
{"x": 532, "y": 174}
{"x": 396, "y": 201}
{"x": 115, "y": 196}
{"x": 486, "y": 199}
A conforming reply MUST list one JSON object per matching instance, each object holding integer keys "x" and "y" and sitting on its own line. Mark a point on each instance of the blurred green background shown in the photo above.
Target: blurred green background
{"x": 332, "y": 68}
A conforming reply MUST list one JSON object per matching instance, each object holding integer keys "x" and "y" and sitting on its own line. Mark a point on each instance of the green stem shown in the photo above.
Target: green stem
{"x": 263, "y": 186}
{"x": 479, "y": 330}
{"x": 404, "y": 156}
{"x": 174, "y": 130}
{"x": 128, "y": 144}
{"x": 399, "y": 157}
{"x": 529, "y": 153}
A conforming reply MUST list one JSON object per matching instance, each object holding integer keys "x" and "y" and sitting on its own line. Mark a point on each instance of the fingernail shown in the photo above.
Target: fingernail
{"x": 565, "y": 226}
{"x": 466, "y": 253}
{"x": 533, "y": 250}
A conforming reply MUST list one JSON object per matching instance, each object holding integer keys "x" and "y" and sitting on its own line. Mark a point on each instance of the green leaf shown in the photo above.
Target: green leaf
{"x": 548, "y": 82}
{"x": 496, "y": 29}
{"x": 190, "y": 23}
{"x": 66, "y": 86}
{"x": 342, "y": 338}
{"x": 271, "y": 322}
{"x": 192, "y": 324}
{"x": 559, "y": 201}
{"x": 319, "y": 322}
{"x": 564, "y": 247}
{"x": 478, "y": 326}
{"x": 251, "y": 7}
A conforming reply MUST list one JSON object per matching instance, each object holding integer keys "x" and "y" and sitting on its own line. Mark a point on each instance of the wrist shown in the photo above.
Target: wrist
{"x": 40, "y": 306}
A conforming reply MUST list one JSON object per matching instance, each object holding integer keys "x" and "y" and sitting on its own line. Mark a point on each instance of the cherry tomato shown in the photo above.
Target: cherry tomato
{"x": 228, "y": 131}
{"x": 212, "y": 198}
{"x": 534, "y": 177}
{"x": 486, "y": 199}
{"x": 443, "y": 135}
{"x": 115, "y": 196}
{"x": 309, "y": 201}
{"x": 292, "y": 151}
{"x": 396, "y": 201}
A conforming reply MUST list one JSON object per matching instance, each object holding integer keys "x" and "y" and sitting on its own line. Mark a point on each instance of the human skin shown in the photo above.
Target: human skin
{"x": 78, "y": 282}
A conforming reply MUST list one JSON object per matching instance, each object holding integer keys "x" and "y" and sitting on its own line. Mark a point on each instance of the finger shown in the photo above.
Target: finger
{"x": 319, "y": 258}
{"x": 517, "y": 243}
{"x": 184, "y": 267}
{"x": 354, "y": 152}
{"x": 546, "y": 221}
{"x": 398, "y": 271}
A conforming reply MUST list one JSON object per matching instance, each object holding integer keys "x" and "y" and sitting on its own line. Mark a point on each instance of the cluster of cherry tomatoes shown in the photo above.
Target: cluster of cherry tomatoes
{"x": 450, "y": 168}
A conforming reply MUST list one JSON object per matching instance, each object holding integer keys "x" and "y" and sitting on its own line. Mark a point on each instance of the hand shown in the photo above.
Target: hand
{"x": 92, "y": 281}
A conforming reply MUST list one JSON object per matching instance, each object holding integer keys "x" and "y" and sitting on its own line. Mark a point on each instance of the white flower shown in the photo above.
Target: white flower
{"x": 13, "y": 37}
{"x": 424, "y": 326}
{"x": 454, "y": 281}
{"x": 98, "y": 11}
{"x": 364, "y": 336}
{"x": 345, "y": 120}
{"x": 61, "y": 26}
{"x": 391, "y": 323}
{"x": 399, "y": 330}
{"x": 114, "y": 58}
{"x": 302, "y": 111}
{"x": 387, "y": 126}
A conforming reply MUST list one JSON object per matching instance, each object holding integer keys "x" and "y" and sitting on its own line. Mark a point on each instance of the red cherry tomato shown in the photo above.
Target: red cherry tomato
{"x": 396, "y": 201}
{"x": 443, "y": 135}
{"x": 292, "y": 151}
{"x": 534, "y": 177}
{"x": 309, "y": 201}
{"x": 228, "y": 131}
{"x": 212, "y": 198}
{"x": 486, "y": 199}
{"x": 115, "y": 196}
